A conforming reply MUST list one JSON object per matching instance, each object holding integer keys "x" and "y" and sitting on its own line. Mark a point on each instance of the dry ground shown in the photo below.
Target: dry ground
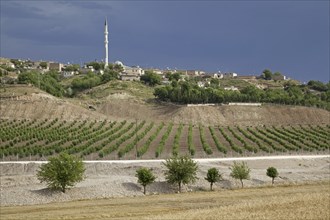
{"x": 282, "y": 202}
{"x": 30, "y": 103}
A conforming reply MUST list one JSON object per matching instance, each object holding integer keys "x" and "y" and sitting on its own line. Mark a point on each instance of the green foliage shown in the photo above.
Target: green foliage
{"x": 205, "y": 145}
{"x": 86, "y": 82}
{"x": 267, "y": 74}
{"x": 317, "y": 85}
{"x": 72, "y": 67}
{"x": 240, "y": 171}
{"x": 145, "y": 177}
{"x": 173, "y": 76}
{"x": 191, "y": 145}
{"x": 42, "y": 138}
{"x": 115, "y": 67}
{"x": 151, "y": 78}
{"x": 272, "y": 173}
{"x": 161, "y": 145}
{"x": 180, "y": 170}
{"x": 43, "y": 65}
{"x": 61, "y": 172}
{"x": 177, "y": 136}
{"x": 213, "y": 176}
{"x": 188, "y": 92}
{"x": 48, "y": 82}
{"x": 109, "y": 75}
{"x": 96, "y": 65}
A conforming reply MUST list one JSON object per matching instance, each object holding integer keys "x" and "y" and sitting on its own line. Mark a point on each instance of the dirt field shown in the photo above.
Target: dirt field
{"x": 19, "y": 185}
{"x": 282, "y": 202}
{"x": 35, "y": 104}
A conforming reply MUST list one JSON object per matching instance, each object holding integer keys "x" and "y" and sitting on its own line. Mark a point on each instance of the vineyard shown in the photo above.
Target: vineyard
{"x": 108, "y": 140}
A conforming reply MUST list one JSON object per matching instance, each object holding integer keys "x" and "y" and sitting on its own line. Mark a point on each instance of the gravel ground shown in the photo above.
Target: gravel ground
{"x": 19, "y": 185}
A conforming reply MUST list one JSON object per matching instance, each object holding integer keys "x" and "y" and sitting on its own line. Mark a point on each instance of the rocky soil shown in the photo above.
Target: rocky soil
{"x": 19, "y": 185}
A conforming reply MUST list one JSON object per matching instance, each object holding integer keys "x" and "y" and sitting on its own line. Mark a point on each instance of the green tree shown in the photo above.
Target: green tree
{"x": 151, "y": 78}
{"x": 180, "y": 170}
{"x": 145, "y": 177}
{"x": 317, "y": 85}
{"x": 43, "y": 65}
{"x": 272, "y": 173}
{"x": 72, "y": 67}
{"x": 61, "y": 172}
{"x": 240, "y": 171}
{"x": 109, "y": 75}
{"x": 115, "y": 67}
{"x": 213, "y": 176}
{"x": 267, "y": 74}
{"x": 173, "y": 76}
{"x": 96, "y": 65}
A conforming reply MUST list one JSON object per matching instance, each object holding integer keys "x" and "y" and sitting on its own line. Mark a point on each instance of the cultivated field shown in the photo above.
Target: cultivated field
{"x": 122, "y": 121}
{"x": 38, "y": 139}
{"x": 283, "y": 202}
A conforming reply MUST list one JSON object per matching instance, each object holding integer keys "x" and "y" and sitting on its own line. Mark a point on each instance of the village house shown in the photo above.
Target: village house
{"x": 130, "y": 73}
{"x": 230, "y": 75}
{"x": 55, "y": 66}
{"x": 218, "y": 75}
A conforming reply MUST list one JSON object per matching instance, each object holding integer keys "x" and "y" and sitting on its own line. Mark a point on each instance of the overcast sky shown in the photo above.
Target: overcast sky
{"x": 245, "y": 37}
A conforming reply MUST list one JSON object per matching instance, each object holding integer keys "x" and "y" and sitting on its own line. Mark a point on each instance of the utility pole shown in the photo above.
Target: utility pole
{"x": 136, "y": 138}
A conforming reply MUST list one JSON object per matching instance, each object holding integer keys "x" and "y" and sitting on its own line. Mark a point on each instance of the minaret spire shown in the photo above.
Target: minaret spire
{"x": 106, "y": 42}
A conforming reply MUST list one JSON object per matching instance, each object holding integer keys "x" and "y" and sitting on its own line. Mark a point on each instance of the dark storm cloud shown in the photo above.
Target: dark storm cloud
{"x": 240, "y": 36}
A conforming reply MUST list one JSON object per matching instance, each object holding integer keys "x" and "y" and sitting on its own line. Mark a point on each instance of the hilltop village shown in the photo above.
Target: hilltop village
{"x": 12, "y": 67}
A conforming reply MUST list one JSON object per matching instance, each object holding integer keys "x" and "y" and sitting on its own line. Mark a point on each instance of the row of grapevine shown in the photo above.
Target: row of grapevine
{"x": 191, "y": 146}
{"x": 161, "y": 145}
{"x": 146, "y": 145}
{"x": 206, "y": 146}
{"x": 254, "y": 140}
{"x": 245, "y": 145}
{"x": 177, "y": 136}
{"x": 98, "y": 139}
{"x": 220, "y": 147}
{"x": 228, "y": 139}
{"x": 138, "y": 137}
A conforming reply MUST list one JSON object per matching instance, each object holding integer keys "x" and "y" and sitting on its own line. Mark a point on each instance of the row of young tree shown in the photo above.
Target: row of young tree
{"x": 186, "y": 92}
{"x": 66, "y": 170}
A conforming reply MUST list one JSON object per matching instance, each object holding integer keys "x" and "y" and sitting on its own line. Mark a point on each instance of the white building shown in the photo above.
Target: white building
{"x": 130, "y": 73}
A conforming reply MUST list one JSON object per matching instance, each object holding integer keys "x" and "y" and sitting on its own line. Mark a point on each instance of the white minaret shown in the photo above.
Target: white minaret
{"x": 106, "y": 42}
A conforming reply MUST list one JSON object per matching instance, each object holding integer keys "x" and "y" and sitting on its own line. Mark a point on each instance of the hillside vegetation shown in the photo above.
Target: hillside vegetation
{"x": 37, "y": 139}
{"x": 182, "y": 88}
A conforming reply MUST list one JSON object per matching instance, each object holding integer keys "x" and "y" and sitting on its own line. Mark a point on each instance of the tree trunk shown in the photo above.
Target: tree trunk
{"x": 273, "y": 181}
{"x": 242, "y": 183}
{"x": 211, "y": 186}
{"x": 63, "y": 189}
{"x": 144, "y": 190}
{"x": 179, "y": 187}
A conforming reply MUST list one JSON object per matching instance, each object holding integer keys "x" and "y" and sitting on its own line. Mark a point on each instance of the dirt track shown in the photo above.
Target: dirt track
{"x": 19, "y": 185}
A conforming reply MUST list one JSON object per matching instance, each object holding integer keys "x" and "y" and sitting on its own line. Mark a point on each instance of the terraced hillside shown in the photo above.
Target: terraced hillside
{"x": 39, "y": 139}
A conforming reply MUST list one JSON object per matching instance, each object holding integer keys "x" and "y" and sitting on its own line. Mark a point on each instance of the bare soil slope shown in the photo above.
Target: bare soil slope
{"x": 216, "y": 115}
{"x": 30, "y": 103}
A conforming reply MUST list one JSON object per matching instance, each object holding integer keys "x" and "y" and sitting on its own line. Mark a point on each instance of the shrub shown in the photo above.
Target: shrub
{"x": 240, "y": 171}
{"x": 272, "y": 173}
{"x": 61, "y": 172}
{"x": 213, "y": 176}
{"x": 145, "y": 177}
{"x": 180, "y": 170}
